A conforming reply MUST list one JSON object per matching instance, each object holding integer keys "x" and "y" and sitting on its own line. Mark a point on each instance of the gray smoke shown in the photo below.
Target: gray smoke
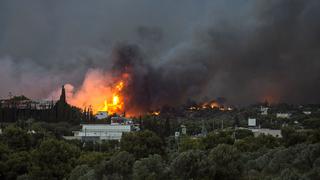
{"x": 246, "y": 51}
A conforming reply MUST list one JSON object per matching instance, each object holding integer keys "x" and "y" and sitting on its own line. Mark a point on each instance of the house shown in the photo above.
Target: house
{"x": 252, "y": 122}
{"x": 104, "y": 131}
{"x": 264, "y": 110}
{"x": 283, "y": 115}
{"x": 307, "y": 112}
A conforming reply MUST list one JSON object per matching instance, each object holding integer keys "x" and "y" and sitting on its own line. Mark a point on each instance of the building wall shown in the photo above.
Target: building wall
{"x": 103, "y": 131}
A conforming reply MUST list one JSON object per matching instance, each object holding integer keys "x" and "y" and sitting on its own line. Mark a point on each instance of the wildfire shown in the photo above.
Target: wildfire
{"x": 210, "y": 105}
{"x": 100, "y": 91}
{"x": 117, "y": 104}
{"x": 155, "y": 113}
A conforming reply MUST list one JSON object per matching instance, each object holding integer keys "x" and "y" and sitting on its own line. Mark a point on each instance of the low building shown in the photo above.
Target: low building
{"x": 272, "y": 132}
{"x": 283, "y": 115}
{"x": 95, "y": 131}
{"x": 264, "y": 110}
{"x": 183, "y": 130}
{"x": 103, "y": 131}
{"x": 102, "y": 115}
{"x": 252, "y": 122}
{"x": 307, "y": 112}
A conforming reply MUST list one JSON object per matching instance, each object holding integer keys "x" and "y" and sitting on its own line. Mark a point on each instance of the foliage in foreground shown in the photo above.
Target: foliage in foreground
{"x": 144, "y": 155}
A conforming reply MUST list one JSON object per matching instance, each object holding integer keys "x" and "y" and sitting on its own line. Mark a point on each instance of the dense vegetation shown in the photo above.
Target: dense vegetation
{"x": 213, "y": 148}
{"x": 222, "y": 154}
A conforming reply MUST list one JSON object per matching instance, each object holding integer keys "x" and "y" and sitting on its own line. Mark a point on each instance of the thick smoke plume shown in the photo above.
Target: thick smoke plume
{"x": 246, "y": 51}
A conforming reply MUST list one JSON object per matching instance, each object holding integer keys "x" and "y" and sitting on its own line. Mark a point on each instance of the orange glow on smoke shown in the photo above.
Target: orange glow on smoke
{"x": 270, "y": 98}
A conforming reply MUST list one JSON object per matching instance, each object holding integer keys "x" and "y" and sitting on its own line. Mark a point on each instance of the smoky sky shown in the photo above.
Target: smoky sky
{"x": 245, "y": 51}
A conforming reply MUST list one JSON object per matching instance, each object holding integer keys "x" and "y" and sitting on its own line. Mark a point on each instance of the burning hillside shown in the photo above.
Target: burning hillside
{"x": 114, "y": 91}
{"x": 260, "y": 50}
{"x": 100, "y": 92}
{"x": 133, "y": 86}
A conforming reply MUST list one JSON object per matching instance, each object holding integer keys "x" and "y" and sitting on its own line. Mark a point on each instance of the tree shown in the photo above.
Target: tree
{"x": 213, "y": 139}
{"x": 267, "y": 141}
{"x": 291, "y": 137}
{"x": 142, "y": 143}
{"x": 79, "y": 172}
{"x": 307, "y": 156}
{"x": 243, "y": 133}
{"x": 109, "y": 145}
{"x": 156, "y": 125}
{"x": 17, "y": 164}
{"x": 227, "y": 161}
{"x": 193, "y": 164}
{"x": 167, "y": 127}
{"x": 90, "y": 175}
{"x": 282, "y": 158}
{"x": 4, "y": 155}
{"x": 187, "y": 143}
{"x": 91, "y": 158}
{"x": 151, "y": 167}
{"x": 312, "y": 123}
{"x": 314, "y": 136}
{"x": 53, "y": 159}
{"x": 314, "y": 173}
{"x": 289, "y": 174}
{"x": 17, "y": 138}
{"x": 252, "y": 144}
{"x": 119, "y": 166}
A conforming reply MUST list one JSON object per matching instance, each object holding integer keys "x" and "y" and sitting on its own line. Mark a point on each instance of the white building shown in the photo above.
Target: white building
{"x": 183, "y": 129}
{"x": 307, "y": 112}
{"x": 252, "y": 122}
{"x": 102, "y": 131}
{"x": 283, "y": 115}
{"x": 272, "y": 132}
{"x": 102, "y": 115}
{"x": 264, "y": 110}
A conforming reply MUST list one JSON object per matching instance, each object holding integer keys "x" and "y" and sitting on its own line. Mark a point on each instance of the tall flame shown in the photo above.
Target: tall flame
{"x": 100, "y": 91}
{"x": 116, "y": 105}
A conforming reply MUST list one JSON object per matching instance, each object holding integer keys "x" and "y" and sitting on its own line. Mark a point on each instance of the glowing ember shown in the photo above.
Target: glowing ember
{"x": 156, "y": 113}
{"x": 209, "y": 105}
{"x": 214, "y": 105}
{"x": 119, "y": 86}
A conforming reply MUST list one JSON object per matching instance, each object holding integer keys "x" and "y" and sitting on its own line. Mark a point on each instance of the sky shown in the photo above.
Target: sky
{"x": 243, "y": 50}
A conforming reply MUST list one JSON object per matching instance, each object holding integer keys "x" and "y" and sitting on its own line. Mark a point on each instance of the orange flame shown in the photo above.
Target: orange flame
{"x": 155, "y": 113}
{"x": 101, "y": 92}
{"x": 210, "y": 105}
{"x": 117, "y": 101}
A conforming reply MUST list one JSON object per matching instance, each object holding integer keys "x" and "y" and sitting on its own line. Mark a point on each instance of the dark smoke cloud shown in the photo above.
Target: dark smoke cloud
{"x": 246, "y": 51}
